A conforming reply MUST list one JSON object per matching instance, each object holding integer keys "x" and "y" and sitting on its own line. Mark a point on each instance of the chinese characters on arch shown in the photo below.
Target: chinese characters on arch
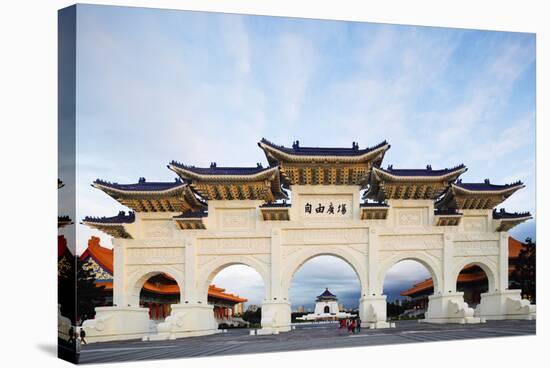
{"x": 330, "y": 209}
{"x": 324, "y": 206}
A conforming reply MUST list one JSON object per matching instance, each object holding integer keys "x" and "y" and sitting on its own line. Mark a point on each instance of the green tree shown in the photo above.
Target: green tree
{"x": 254, "y": 318}
{"x": 89, "y": 295}
{"x": 524, "y": 274}
{"x": 394, "y": 310}
{"x": 66, "y": 286}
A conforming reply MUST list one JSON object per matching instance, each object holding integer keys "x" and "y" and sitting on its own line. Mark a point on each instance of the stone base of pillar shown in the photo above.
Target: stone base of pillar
{"x": 275, "y": 318}
{"x": 506, "y": 304}
{"x": 186, "y": 320}
{"x": 63, "y": 325}
{"x": 117, "y": 323}
{"x": 449, "y": 308}
{"x": 372, "y": 312}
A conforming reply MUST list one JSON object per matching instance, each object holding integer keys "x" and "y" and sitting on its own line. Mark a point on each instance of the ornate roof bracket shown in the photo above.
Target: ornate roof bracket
{"x": 275, "y": 211}
{"x": 426, "y": 183}
{"x": 113, "y": 226}
{"x": 145, "y": 196}
{"x": 447, "y": 218}
{"x": 476, "y": 196}
{"x": 232, "y": 183}
{"x": 191, "y": 220}
{"x": 63, "y": 221}
{"x": 324, "y": 166}
{"x": 374, "y": 211}
{"x": 505, "y": 221}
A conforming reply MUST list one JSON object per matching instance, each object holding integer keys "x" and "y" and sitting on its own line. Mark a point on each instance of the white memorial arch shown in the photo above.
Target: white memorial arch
{"x": 211, "y": 218}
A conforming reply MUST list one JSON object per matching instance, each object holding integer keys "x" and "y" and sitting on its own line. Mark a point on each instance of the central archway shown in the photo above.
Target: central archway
{"x": 324, "y": 288}
{"x": 296, "y": 260}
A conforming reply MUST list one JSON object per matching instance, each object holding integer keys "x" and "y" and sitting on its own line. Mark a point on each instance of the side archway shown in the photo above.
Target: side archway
{"x": 490, "y": 269}
{"x": 138, "y": 279}
{"x": 431, "y": 265}
{"x": 210, "y": 270}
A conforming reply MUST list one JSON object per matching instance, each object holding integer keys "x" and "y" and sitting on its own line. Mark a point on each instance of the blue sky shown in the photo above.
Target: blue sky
{"x": 156, "y": 85}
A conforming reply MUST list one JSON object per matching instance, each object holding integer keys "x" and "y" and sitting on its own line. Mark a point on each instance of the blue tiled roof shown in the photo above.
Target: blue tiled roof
{"x": 326, "y": 293}
{"x": 428, "y": 171}
{"x": 142, "y": 185}
{"x": 502, "y": 214}
{"x": 322, "y": 151}
{"x": 373, "y": 204}
{"x": 215, "y": 170}
{"x": 486, "y": 185}
{"x": 192, "y": 214}
{"x": 446, "y": 211}
{"x": 283, "y": 204}
{"x": 121, "y": 218}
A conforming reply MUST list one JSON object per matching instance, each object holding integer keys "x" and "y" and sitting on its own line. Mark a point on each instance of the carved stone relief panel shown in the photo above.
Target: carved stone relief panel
{"x": 410, "y": 217}
{"x": 411, "y": 242}
{"x": 234, "y": 245}
{"x": 476, "y": 248}
{"x": 466, "y": 237}
{"x": 147, "y": 256}
{"x": 475, "y": 224}
{"x": 325, "y": 236}
{"x": 236, "y": 218}
{"x": 158, "y": 228}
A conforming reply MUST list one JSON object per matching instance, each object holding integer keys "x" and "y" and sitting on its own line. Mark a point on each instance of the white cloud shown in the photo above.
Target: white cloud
{"x": 290, "y": 63}
{"x": 236, "y": 41}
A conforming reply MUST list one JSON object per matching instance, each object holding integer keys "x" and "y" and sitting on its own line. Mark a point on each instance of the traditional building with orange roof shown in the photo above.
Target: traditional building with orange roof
{"x": 159, "y": 292}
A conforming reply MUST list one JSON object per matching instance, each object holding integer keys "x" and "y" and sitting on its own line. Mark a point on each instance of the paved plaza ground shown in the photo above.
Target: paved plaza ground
{"x": 304, "y": 337}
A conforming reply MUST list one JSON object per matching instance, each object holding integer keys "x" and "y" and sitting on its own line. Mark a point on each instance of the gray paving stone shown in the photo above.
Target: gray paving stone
{"x": 307, "y": 337}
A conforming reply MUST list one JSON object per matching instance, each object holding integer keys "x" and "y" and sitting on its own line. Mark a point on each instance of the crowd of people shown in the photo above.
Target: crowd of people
{"x": 351, "y": 325}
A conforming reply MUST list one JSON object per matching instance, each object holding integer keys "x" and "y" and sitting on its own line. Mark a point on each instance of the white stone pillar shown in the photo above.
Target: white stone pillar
{"x": 276, "y": 311}
{"x": 448, "y": 280}
{"x": 503, "y": 303}
{"x": 373, "y": 305}
{"x": 372, "y": 265}
{"x": 120, "y": 289}
{"x": 447, "y": 305}
{"x": 190, "y": 294}
{"x": 193, "y": 316}
{"x": 502, "y": 281}
{"x": 276, "y": 273}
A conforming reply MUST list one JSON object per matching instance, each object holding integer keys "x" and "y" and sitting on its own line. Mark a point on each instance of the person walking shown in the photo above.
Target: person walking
{"x": 83, "y": 335}
{"x": 358, "y": 327}
{"x": 342, "y": 326}
{"x": 71, "y": 335}
{"x": 351, "y": 326}
{"x": 78, "y": 346}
